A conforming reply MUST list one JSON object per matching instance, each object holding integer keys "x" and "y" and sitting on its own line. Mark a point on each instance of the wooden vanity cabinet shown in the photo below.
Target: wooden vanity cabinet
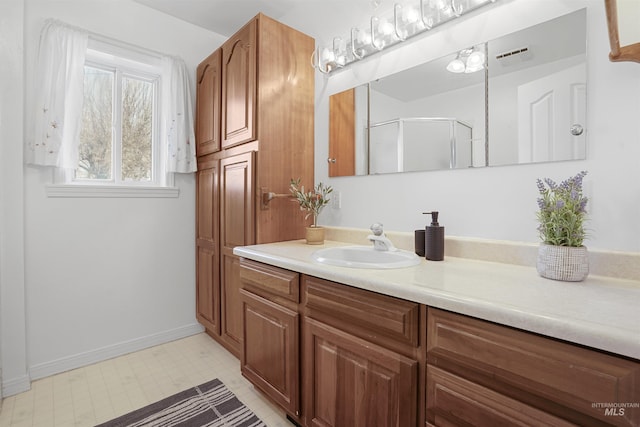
{"x": 335, "y": 355}
{"x": 270, "y": 357}
{"x": 487, "y": 374}
{"x": 329, "y": 354}
{"x": 360, "y": 357}
{"x": 261, "y": 135}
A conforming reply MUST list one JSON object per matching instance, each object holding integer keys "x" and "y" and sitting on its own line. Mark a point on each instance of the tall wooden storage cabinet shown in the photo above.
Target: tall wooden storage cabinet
{"x": 254, "y": 132}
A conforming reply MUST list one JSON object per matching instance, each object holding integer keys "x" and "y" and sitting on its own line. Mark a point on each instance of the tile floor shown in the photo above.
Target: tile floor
{"x": 97, "y": 393}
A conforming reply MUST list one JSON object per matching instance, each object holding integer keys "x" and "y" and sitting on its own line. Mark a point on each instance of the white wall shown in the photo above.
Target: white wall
{"x": 102, "y": 276}
{"x": 500, "y": 202}
{"x": 12, "y": 291}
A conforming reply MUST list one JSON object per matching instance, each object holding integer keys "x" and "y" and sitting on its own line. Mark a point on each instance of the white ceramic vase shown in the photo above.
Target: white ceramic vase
{"x": 566, "y": 263}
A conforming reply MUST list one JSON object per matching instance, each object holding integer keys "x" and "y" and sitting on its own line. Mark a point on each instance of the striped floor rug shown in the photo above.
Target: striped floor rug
{"x": 210, "y": 404}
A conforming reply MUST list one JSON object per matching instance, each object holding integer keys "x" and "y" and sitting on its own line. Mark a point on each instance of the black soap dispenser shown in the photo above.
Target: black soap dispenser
{"x": 434, "y": 239}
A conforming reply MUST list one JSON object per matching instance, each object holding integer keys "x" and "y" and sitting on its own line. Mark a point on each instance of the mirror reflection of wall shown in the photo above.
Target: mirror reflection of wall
{"x": 537, "y": 93}
{"x": 434, "y": 116}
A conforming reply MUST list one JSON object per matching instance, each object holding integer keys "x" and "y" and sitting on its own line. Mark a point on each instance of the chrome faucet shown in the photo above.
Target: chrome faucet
{"x": 380, "y": 241}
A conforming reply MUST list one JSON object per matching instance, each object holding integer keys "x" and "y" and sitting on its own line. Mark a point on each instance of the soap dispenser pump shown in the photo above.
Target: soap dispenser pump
{"x": 434, "y": 239}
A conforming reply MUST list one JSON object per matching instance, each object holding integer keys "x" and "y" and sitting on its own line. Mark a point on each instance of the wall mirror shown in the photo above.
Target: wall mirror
{"x": 623, "y": 21}
{"x": 517, "y": 99}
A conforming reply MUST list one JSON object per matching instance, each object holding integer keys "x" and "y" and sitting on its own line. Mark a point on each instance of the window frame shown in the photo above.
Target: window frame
{"x": 125, "y": 61}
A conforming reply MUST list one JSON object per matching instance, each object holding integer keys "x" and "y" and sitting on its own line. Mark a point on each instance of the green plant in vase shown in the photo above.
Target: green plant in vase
{"x": 562, "y": 211}
{"x": 562, "y": 215}
{"x": 311, "y": 201}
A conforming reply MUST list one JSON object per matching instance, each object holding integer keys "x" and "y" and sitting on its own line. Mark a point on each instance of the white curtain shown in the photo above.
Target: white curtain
{"x": 177, "y": 117}
{"x": 59, "y": 98}
{"x": 59, "y": 95}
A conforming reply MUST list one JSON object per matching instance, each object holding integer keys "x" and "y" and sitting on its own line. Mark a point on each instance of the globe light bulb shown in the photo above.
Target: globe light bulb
{"x": 456, "y": 66}
{"x": 475, "y": 62}
{"x": 385, "y": 28}
{"x": 410, "y": 15}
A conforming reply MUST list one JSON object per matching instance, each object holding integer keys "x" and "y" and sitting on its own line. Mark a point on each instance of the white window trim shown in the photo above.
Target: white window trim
{"x": 110, "y": 191}
{"x": 61, "y": 188}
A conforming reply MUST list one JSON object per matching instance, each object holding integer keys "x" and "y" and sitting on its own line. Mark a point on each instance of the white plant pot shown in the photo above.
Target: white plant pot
{"x": 566, "y": 263}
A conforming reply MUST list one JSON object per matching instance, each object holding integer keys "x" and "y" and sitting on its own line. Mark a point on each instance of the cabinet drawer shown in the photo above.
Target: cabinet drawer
{"x": 367, "y": 314}
{"x": 276, "y": 281}
{"x": 452, "y": 400}
{"x": 534, "y": 368}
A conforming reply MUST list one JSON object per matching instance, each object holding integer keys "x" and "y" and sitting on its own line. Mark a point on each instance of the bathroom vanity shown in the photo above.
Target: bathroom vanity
{"x": 458, "y": 342}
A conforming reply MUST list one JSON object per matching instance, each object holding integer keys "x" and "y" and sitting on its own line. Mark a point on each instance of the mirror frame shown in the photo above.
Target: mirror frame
{"x": 619, "y": 53}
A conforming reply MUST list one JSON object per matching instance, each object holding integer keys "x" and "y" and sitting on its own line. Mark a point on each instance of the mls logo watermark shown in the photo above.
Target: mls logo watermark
{"x": 614, "y": 412}
{"x": 615, "y": 409}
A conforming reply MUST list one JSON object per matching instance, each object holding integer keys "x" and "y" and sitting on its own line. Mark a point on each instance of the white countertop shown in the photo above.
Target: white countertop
{"x": 600, "y": 312}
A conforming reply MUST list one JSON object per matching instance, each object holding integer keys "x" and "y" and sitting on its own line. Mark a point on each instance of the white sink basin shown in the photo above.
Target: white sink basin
{"x": 365, "y": 257}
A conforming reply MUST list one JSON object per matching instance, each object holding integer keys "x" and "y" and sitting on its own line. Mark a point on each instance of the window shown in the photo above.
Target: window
{"x": 117, "y": 132}
{"x": 119, "y": 136}
{"x": 111, "y": 119}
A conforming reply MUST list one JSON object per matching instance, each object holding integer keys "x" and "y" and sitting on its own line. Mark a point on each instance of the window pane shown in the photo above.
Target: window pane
{"x": 137, "y": 125}
{"x": 96, "y": 132}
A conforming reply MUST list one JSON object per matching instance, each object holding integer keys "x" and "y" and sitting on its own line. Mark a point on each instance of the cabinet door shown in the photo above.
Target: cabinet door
{"x": 208, "y": 104}
{"x": 207, "y": 250}
{"x": 237, "y": 229}
{"x": 239, "y": 87}
{"x": 350, "y": 382}
{"x": 270, "y": 350}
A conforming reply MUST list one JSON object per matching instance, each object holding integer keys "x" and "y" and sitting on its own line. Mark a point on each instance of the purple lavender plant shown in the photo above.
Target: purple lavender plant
{"x": 562, "y": 211}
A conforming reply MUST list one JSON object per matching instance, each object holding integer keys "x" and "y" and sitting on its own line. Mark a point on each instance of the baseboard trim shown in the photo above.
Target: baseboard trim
{"x": 43, "y": 370}
{"x": 16, "y": 385}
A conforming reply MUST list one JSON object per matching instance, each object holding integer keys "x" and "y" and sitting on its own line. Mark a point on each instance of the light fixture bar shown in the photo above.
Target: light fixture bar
{"x": 407, "y": 19}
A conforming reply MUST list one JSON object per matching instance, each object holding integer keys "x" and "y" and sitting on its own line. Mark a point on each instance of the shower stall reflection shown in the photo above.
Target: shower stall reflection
{"x": 418, "y": 144}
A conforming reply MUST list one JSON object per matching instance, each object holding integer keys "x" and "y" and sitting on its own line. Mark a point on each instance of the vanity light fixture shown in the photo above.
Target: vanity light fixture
{"x": 467, "y": 61}
{"x": 407, "y": 19}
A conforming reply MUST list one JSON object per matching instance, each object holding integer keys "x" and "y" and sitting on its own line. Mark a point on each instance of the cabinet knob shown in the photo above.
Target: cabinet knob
{"x": 330, "y": 160}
